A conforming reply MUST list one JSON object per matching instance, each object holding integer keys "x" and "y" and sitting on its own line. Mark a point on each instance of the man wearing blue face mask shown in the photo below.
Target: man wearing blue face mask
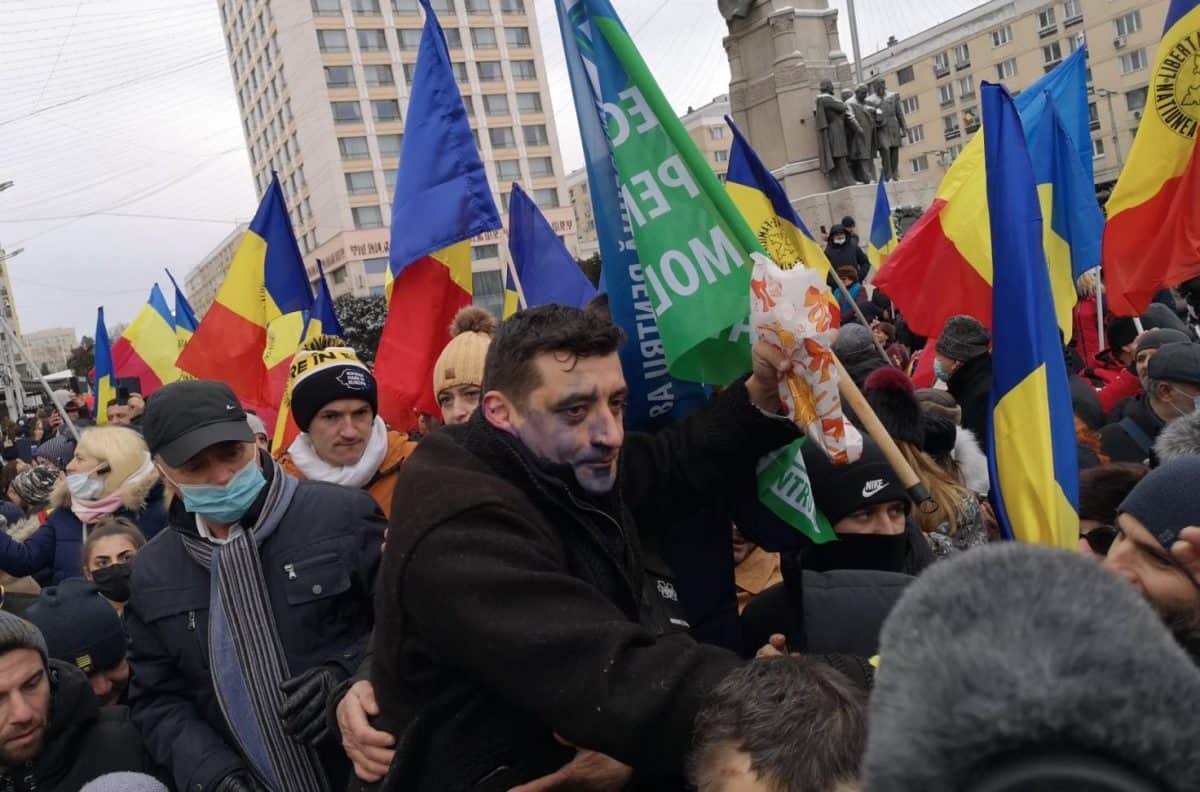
{"x": 963, "y": 362}
{"x": 253, "y": 606}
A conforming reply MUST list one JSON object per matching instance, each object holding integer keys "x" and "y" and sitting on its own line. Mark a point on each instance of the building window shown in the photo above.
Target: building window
{"x": 478, "y": 6}
{"x": 484, "y": 38}
{"x": 502, "y": 138}
{"x": 512, "y": 6}
{"x": 508, "y": 170}
{"x": 910, "y": 105}
{"x": 962, "y": 56}
{"x": 326, "y": 8}
{"x": 1046, "y": 20}
{"x": 1135, "y": 101}
{"x": 916, "y": 133}
{"x": 410, "y": 70}
{"x": 966, "y": 87}
{"x": 953, "y": 152}
{"x": 442, "y": 6}
{"x": 406, "y": 7}
{"x": 523, "y": 70}
{"x": 385, "y": 109}
{"x": 495, "y": 104}
{"x": 529, "y": 102}
{"x": 489, "y": 71}
{"x": 950, "y": 127}
{"x": 353, "y": 148}
{"x": 1097, "y": 148}
{"x": 333, "y": 41}
{"x": 517, "y": 37}
{"x": 372, "y": 40}
{"x": 546, "y": 197}
{"x": 716, "y": 133}
{"x": 919, "y": 164}
{"x": 408, "y": 38}
{"x": 346, "y": 112}
{"x": 389, "y": 180}
{"x": 1133, "y": 61}
{"x": 541, "y": 166}
{"x": 905, "y": 75}
{"x": 1052, "y": 53}
{"x": 359, "y": 183}
{"x": 389, "y": 145}
{"x": 535, "y": 135}
{"x": 1093, "y": 115}
{"x": 1076, "y": 42}
{"x": 941, "y": 64}
{"x": 339, "y": 276}
{"x": 378, "y": 74}
{"x": 1006, "y": 70}
{"x": 339, "y": 76}
{"x": 481, "y": 252}
{"x": 1072, "y": 12}
{"x": 946, "y": 94}
{"x": 460, "y": 71}
{"x": 367, "y": 217}
{"x": 365, "y": 7}
{"x": 970, "y": 119}
{"x": 1128, "y": 24}
{"x": 375, "y": 266}
{"x": 1001, "y": 36}
{"x": 720, "y": 156}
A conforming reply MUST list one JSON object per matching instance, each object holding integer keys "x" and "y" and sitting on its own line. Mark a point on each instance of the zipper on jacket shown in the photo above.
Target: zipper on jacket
{"x": 634, "y": 589}
{"x": 192, "y": 620}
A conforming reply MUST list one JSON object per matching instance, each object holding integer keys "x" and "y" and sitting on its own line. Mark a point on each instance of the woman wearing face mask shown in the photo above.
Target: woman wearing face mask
{"x": 842, "y": 252}
{"x": 110, "y": 475}
{"x": 29, "y": 493}
{"x": 108, "y": 557}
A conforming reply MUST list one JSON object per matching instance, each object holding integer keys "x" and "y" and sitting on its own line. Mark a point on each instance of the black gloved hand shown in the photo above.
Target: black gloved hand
{"x": 303, "y": 709}
{"x": 239, "y": 781}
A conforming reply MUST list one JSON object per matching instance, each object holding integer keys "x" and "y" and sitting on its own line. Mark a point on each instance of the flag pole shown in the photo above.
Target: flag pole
{"x": 41, "y": 379}
{"x": 511, "y": 268}
{"x": 858, "y": 312}
{"x": 1099, "y": 309}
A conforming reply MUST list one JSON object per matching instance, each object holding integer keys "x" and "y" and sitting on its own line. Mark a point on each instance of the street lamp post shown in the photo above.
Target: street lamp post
{"x": 14, "y": 390}
{"x": 1112, "y": 120}
{"x": 4, "y": 185}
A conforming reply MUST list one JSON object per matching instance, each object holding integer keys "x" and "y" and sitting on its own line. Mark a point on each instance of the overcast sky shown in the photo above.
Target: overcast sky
{"x": 119, "y": 127}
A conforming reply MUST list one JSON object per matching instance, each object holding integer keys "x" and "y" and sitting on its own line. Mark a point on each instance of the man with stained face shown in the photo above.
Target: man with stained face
{"x": 515, "y": 619}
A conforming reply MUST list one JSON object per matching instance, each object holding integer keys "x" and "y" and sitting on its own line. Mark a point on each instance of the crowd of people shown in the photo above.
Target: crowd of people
{"x": 528, "y": 596}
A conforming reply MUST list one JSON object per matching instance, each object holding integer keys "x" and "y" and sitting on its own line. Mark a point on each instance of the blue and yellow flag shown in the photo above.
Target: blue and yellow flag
{"x": 765, "y": 206}
{"x": 185, "y": 317}
{"x": 1072, "y": 221}
{"x": 883, "y": 239}
{"x": 546, "y": 269}
{"x": 323, "y": 320}
{"x": 105, "y": 386}
{"x": 1032, "y": 451}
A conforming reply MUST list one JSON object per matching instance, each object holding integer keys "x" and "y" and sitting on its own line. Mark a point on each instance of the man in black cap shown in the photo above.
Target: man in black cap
{"x": 83, "y": 629}
{"x": 963, "y": 362}
{"x": 1172, "y": 388}
{"x": 1129, "y": 383}
{"x": 250, "y": 609}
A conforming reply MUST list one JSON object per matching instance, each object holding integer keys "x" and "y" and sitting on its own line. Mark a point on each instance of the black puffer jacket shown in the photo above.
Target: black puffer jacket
{"x": 83, "y": 740}
{"x": 512, "y": 607}
{"x": 971, "y": 387}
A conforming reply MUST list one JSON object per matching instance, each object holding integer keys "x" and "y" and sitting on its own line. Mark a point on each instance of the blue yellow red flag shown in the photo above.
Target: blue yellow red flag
{"x": 324, "y": 319}
{"x": 148, "y": 347}
{"x": 1032, "y": 447}
{"x": 546, "y": 269}
{"x": 105, "y": 386}
{"x": 882, "y": 240}
{"x": 1152, "y": 238}
{"x": 185, "y": 318}
{"x": 442, "y": 200}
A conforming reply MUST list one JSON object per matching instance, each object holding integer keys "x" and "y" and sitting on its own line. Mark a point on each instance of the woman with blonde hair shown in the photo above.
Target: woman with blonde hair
{"x": 110, "y": 475}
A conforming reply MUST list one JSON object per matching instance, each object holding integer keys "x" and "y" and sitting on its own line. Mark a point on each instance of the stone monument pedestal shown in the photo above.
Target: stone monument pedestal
{"x": 858, "y": 201}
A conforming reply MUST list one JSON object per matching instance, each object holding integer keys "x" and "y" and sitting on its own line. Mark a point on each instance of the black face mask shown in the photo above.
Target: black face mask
{"x": 113, "y": 582}
{"x": 857, "y": 551}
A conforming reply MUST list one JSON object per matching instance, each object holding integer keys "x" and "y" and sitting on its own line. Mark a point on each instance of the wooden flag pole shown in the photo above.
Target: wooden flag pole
{"x": 858, "y": 312}
{"x": 511, "y": 268}
{"x": 911, "y": 482}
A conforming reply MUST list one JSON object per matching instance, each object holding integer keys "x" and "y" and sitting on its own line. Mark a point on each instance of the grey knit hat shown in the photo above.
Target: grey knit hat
{"x": 16, "y": 633}
{"x": 34, "y": 486}
{"x": 58, "y": 450}
{"x": 1167, "y": 500}
{"x": 124, "y": 782}
{"x": 963, "y": 338}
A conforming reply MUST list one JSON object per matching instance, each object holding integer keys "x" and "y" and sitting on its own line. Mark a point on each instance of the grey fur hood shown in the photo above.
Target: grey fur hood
{"x": 1012, "y": 648}
{"x": 1179, "y": 438}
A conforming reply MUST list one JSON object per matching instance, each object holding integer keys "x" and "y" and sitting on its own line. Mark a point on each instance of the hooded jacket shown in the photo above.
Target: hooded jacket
{"x": 319, "y": 567}
{"x": 512, "y": 605}
{"x": 383, "y": 483}
{"x": 56, "y": 549}
{"x": 82, "y": 741}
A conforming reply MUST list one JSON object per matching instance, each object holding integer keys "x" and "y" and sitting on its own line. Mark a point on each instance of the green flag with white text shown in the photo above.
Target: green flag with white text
{"x": 693, "y": 243}
{"x": 784, "y": 488}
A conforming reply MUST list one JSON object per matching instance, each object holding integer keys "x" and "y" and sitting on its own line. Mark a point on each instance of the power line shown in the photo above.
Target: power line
{"x": 58, "y": 57}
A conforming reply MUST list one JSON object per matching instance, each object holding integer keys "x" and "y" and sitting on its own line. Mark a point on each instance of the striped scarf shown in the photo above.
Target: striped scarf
{"x": 246, "y": 655}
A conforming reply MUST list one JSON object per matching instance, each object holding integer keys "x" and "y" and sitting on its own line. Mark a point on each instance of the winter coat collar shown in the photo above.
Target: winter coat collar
{"x": 972, "y": 372}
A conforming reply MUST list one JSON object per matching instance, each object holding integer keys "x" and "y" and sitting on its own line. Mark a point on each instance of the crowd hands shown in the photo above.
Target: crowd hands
{"x": 562, "y": 604}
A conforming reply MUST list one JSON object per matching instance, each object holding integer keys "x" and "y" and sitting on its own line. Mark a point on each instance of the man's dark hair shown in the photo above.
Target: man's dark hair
{"x": 802, "y": 723}
{"x": 1101, "y": 489}
{"x": 569, "y": 332}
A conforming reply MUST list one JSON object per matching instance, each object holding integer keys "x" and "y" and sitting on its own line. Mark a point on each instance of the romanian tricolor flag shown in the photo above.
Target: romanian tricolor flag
{"x": 547, "y": 271}
{"x": 882, "y": 240}
{"x": 442, "y": 200}
{"x": 951, "y": 244}
{"x": 1032, "y": 452}
{"x": 105, "y": 386}
{"x": 266, "y": 280}
{"x": 765, "y": 206}
{"x": 148, "y": 347}
{"x": 1152, "y": 239}
{"x": 185, "y": 317}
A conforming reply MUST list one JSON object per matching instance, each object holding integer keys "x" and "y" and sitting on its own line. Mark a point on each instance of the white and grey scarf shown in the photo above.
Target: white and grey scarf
{"x": 354, "y": 476}
{"x": 246, "y": 655}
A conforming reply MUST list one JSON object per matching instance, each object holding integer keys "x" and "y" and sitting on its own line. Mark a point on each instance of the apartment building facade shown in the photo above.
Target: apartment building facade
{"x": 50, "y": 349}
{"x": 202, "y": 281}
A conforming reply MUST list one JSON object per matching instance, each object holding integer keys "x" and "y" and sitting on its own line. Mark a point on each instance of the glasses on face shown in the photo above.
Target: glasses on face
{"x": 1100, "y": 539}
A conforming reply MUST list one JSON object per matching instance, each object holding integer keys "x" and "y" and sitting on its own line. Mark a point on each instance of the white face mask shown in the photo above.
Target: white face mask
{"x": 839, "y": 240}
{"x": 84, "y": 487}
